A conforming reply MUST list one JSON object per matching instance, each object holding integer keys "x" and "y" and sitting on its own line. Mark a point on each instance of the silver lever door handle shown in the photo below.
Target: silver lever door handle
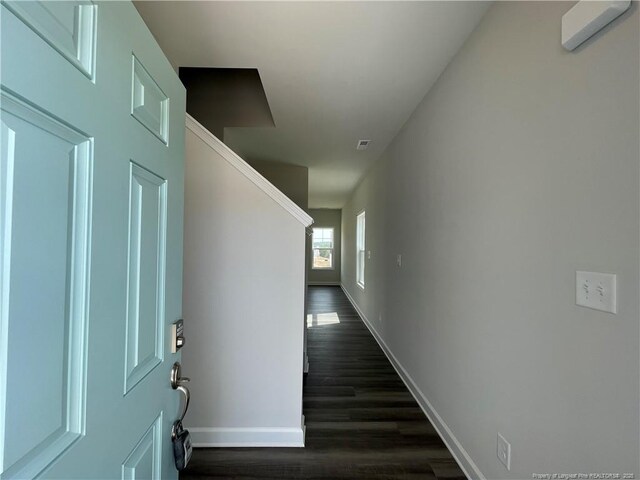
{"x": 187, "y": 398}
{"x": 177, "y": 383}
{"x": 176, "y": 378}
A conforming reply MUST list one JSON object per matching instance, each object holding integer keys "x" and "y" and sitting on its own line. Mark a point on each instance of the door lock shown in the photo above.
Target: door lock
{"x": 177, "y": 336}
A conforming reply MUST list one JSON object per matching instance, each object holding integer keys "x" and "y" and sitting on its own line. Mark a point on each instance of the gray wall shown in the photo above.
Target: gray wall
{"x": 243, "y": 307}
{"x": 327, "y": 217}
{"x": 292, "y": 180}
{"x": 226, "y": 97}
{"x": 519, "y": 167}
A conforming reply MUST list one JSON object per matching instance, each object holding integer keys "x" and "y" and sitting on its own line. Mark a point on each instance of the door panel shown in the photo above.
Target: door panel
{"x": 45, "y": 213}
{"x": 145, "y": 460}
{"x": 91, "y": 188}
{"x": 149, "y": 104}
{"x": 145, "y": 312}
{"x": 68, "y": 26}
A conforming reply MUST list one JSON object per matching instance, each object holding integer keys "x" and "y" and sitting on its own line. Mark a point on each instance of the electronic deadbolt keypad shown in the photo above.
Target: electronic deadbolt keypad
{"x": 177, "y": 336}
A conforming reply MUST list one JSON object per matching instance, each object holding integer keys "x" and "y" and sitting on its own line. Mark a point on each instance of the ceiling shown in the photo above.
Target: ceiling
{"x": 333, "y": 72}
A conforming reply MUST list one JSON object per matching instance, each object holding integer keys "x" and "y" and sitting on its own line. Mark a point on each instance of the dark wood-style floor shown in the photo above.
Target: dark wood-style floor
{"x": 362, "y": 422}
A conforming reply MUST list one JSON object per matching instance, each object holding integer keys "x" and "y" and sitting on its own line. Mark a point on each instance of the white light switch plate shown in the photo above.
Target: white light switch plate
{"x": 596, "y": 290}
{"x": 504, "y": 451}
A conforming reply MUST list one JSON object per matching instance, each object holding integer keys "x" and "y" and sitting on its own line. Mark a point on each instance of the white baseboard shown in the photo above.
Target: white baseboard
{"x": 468, "y": 466}
{"x": 323, "y": 284}
{"x": 248, "y": 437}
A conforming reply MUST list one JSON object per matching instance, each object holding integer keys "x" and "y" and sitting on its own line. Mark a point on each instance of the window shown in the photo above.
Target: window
{"x": 322, "y": 246}
{"x": 360, "y": 249}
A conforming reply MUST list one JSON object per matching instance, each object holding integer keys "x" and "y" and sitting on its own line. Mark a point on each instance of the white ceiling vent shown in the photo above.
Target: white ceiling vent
{"x": 363, "y": 144}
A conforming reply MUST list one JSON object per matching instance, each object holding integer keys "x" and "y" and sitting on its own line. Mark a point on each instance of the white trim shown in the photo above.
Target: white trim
{"x": 468, "y": 466}
{"x": 326, "y": 284}
{"x": 247, "y": 437}
{"x": 305, "y": 363}
{"x": 361, "y": 247}
{"x": 243, "y": 167}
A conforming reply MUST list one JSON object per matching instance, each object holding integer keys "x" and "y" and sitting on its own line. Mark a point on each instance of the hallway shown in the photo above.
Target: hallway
{"x": 361, "y": 421}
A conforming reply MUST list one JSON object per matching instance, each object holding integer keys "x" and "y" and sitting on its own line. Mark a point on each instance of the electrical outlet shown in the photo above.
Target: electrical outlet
{"x": 504, "y": 452}
{"x": 380, "y": 318}
{"x": 596, "y": 290}
{"x": 399, "y": 260}
{"x": 368, "y": 254}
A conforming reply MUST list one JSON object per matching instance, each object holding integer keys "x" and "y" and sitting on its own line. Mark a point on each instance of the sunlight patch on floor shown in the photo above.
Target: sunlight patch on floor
{"x": 320, "y": 319}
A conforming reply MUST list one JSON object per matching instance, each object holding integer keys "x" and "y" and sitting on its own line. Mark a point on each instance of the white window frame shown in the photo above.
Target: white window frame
{"x": 361, "y": 228}
{"x": 333, "y": 249}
